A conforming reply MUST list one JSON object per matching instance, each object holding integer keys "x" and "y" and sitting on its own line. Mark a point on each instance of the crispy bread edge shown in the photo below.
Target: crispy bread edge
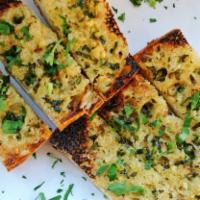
{"x": 173, "y": 38}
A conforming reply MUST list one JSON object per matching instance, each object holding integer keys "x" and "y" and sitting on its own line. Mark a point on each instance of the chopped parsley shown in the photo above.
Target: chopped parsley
{"x": 120, "y": 189}
{"x": 58, "y": 197}
{"x": 2, "y": 104}
{"x": 12, "y": 56}
{"x": 68, "y": 192}
{"x": 39, "y": 186}
{"x": 6, "y": 28}
{"x": 152, "y": 20}
{"x": 55, "y": 104}
{"x": 56, "y": 160}
{"x": 115, "y": 9}
{"x": 65, "y": 26}
{"x": 151, "y": 3}
{"x": 24, "y": 177}
{"x": 25, "y": 31}
{"x": 194, "y": 105}
{"x": 41, "y": 196}
{"x": 122, "y": 17}
{"x": 34, "y": 155}
{"x": 12, "y": 123}
{"x": 63, "y": 174}
{"x": 49, "y": 56}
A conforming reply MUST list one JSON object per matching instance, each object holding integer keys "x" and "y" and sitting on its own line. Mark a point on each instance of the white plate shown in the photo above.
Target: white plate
{"x": 138, "y": 31}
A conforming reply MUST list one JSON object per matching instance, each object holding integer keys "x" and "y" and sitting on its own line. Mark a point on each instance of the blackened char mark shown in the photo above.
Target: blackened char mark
{"x": 5, "y": 4}
{"x": 113, "y": 105}
{"x": 174, "y": 37}
{"x": 134, "y": 69}
{"x": 74, "y": 140}
{"x": 112, "y": 24}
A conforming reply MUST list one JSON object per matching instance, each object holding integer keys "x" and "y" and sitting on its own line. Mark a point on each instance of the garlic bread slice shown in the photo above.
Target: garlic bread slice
{"x": 97, "y": 43}
{"x": 21, "y": 132}
{"x": 37, "y": 59}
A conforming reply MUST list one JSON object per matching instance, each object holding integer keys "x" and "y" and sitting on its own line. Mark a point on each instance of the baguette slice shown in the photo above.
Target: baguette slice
{"x": 21, "y": 132}
{"x": 98, "y": 45}
{"x": 173, "y": 66}
{"x": 36, "y": 58}
{"x": 133, "y": 153}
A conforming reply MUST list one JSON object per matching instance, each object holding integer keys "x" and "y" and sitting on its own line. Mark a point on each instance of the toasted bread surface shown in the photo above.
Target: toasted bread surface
{"x": 173, "y": 66}
{"x": 98, "y": 45}
{"x": 134, "y": 146}
{"x": 37, "y": 59}
{"x": 21, "y": 132}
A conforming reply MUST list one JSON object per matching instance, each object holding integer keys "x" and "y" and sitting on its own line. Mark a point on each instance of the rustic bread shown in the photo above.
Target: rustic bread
{"x": 21, "y": 132}
{"x": 37, "y": 59}
{"x": 133, "y": 153}
{"x": 98, "y": 45}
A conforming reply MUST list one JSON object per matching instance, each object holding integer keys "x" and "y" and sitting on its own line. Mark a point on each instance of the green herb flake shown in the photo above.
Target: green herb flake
{"x": 6, "y": 28}
{"x": 156, "y": 123}
{"x": 84, "y": 178}
{"x": 93, "y": 116}
{"x": 195, "y": 101}
{"x": 49, "y": 55}
{"x": 25, "y": 31}
{"x": 112, "y": 172}
{"x": 115, "y": 9}
{"x": 58, "y": 197}
{"x": 152, "y": 20}
{"x": 128, "y": 110}
{"x": 59, "y": 190}
{"x": 24, "y": 177}
{"x": 65, "y": 26}
{"x": 56, "y": 160}
{"x": 148, "y": 164}
{"x": 41, "y": 196}
{"x": 2, "y": 104}
{"x": 102, "y": 169}
{"x": 122, "y": 17}
{"x": 34, "y": 155}
{"x": 180, "y": 138}
{"x": 63, "y": 174}
{"x": 120, "y": 189}
{"x": 11, "y": 123}
{"x": 68, "y": 192}
{"x": 39, "y": 186}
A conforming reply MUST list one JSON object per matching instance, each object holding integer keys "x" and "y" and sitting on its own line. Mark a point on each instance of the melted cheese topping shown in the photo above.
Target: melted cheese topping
{"x": 100, "y": 50}
{"x": 59, "y": 89}
{"x": 17, "y": 146}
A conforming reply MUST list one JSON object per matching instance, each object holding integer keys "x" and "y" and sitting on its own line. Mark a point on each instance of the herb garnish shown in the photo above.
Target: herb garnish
{"x": 55, "y": 104}
{"x": 56, "y": 159}
{"x": 65, "y": 26}
{"x": 41, "y": 196}
{"x": 120, "y": 189}
{"x": 152, "y": 20}
{"x": 6, "y": 28}
{"x": 194, "y": 104}
{"x": 122, "y": 17}
{"x": 13, "y": 56}
{"x": 12, "y": 123}
{"x": 68, "y": 192}
{"x": 49, "y": 55}
{"x": 39, "y": 186}
{"x": 151, "y": 3}
{"x": 25, "y": 31}
{"x": 58, "y": 197}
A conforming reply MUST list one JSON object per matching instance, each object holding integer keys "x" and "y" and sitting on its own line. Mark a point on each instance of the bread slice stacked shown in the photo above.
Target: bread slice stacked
{"x": 21, "y": 132}
{"x": 144, "y": 142}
